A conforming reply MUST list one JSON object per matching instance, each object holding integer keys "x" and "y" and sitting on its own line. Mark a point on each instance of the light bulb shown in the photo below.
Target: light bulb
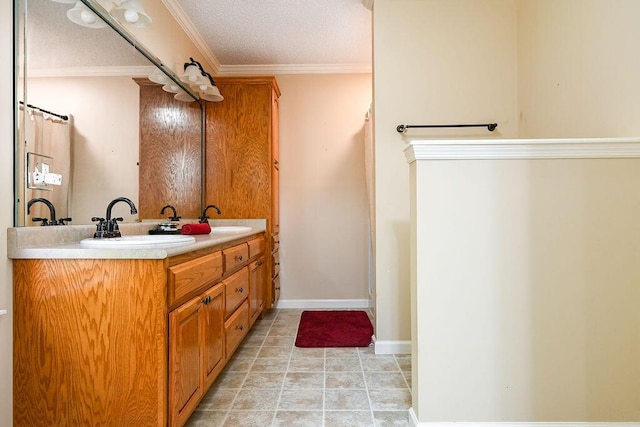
{"x": 87, "y": 17}
{"x": 131, "y": 16}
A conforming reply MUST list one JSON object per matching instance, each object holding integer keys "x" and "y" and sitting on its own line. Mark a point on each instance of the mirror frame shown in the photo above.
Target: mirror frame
{"x": 19, "y": 33}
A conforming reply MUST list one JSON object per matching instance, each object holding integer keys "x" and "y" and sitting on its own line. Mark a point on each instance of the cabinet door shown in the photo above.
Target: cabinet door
{"x": 257, "y": 282}
{"x": 213, "y": 333}
{"x": 185, "y": 379}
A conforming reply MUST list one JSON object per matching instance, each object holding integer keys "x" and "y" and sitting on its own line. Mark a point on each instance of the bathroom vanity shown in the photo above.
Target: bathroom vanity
{"x": 129, "y": 336}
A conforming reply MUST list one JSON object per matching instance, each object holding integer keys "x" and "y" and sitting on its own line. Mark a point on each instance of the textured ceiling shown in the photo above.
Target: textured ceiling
{"x": 276, "y": 32}
{"x": 55, "y": 42}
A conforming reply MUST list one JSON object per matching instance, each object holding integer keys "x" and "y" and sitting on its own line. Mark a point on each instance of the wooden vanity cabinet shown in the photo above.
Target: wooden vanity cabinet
{"x": 242, "y": 157}
{"x": 126, "y": 341}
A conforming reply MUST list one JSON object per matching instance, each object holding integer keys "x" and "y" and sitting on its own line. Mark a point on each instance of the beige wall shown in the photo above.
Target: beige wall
{"x": 528, "y": 291}
{"x": 6, "y": 212}
{"x": 324, "y": 210}
{"x": 579, "y": 62}
{"x": 435, "y": 62}
{"x": 105, "y": 141}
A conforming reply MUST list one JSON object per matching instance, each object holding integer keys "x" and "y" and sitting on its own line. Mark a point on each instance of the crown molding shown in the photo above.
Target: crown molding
{"x": 187, "y": 25}
{"x": 524, "y": 149}
{"x": 133, "y": 71}
{"x": 274, "y": 69}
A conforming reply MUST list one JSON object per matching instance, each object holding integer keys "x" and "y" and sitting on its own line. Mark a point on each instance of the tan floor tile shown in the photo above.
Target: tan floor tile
{"x": 348, "y": 419}
{"x": 333, "y": 352}
{"x": 380, "y": 363}
{"x": 275, "y": 352}
{"x": 384, "y": 380}
{"x": 344, "y": 399}
{"x": 279, "y": 341}
{"x": 391, "y": 418}
{"x": 263, "y": 380}
{"x": 253, "y": 340}
{"x": 218, "y": 399}
{"x": 306, "y": 365}
{"x": 283, "y": 331}
{"x": 239, "y": 364}
{"x": 206, "y": 419}
{"x": 257, "y": 400}
{"x": 304, "y": 352}
{"x": 299, "y": 418}
{"x": 307, "y": 400}
{"x": 244, "y": 352}
{"x": 343, "y": 364}
{"x": 304, "y": 380}
{"x": 344, "y": 380}
{"x": 390, "y": 400}
{"x": 249, "y": 418}
{"x": 267, "y": 364}
{"x": 230, "y": 379}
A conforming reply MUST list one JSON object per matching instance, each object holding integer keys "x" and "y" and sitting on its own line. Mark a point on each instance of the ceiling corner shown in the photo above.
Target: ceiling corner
{"x": 183, "y": 20}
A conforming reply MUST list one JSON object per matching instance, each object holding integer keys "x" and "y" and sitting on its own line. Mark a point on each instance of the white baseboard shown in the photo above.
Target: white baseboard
{"x": 324, "y": 303}
{"x": 415, "y": 423}
{"x": 391, "y": 347}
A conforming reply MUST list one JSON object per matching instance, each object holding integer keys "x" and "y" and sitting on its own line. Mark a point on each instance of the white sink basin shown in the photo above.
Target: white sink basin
{"x": 145, "y": 241}
{"x": 230, "y": 229}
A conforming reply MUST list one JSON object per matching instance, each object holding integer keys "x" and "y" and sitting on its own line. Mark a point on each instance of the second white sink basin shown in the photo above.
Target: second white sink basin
{"x": 144, "y": 241}
{"x": 229, "y": 229}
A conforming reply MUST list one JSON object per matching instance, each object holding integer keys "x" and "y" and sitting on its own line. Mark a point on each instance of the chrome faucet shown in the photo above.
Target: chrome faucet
{"x": 108, "y": 227}
{"x": 175, "y": 216}
{"x": 52, "y": 213}
{"x": 204, "y": 218}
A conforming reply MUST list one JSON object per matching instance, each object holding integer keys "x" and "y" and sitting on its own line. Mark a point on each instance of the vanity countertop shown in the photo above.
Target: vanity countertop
{"x": 64, "y": 241}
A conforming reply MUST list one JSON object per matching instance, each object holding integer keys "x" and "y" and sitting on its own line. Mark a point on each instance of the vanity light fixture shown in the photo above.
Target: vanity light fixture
{"x": 158, "y": 77}
{"x": 129, "y": 12}
{"x": 80, "y": 14}
{"x": 200, "y": 81}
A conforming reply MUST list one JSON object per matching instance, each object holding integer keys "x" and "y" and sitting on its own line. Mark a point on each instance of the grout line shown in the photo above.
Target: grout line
{"x": 286, "y": 371}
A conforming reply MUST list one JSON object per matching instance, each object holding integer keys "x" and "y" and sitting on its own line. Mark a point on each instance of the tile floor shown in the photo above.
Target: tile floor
{"x": 270, "y": 382}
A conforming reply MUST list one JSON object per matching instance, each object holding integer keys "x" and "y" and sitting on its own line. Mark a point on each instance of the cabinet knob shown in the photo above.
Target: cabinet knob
{"x": 239, "y": 257}
{"x": 240, "y": 327}
{"x": 278, "y": 288}
{"x": 259, "y": 263}
{"x": 276, "y": 263}
{"x": 240, "y": 290}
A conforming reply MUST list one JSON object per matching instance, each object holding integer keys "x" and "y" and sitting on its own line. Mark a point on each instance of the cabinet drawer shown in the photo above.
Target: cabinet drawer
{"x": 236, "y": 288}
{"x": 275, "y": 242}
{"x": 191, "y": 276}
{"x": 275, "y": 258}
{"x": 256, "y": 246}
{"x": 236, "y": 328}
{"x": 235, "y": 256}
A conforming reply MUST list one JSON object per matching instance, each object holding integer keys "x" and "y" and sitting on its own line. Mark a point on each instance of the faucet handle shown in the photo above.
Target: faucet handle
{"x": 63, "y": 221}
{"x": 44, "y": 221}
{"x": 100, "y": 227}
{"x": 112, "y": 227}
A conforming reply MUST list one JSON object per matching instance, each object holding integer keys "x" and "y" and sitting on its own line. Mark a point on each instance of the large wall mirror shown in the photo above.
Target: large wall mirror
{"x": 91, "y": 125}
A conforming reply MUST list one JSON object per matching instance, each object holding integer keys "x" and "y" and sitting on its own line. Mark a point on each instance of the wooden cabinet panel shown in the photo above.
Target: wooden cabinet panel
{"x": 237, "y": 327}
{"x": 90, "y": 344}
{"x": 185, "y": 360}
{"x": 191, "y": 276}
{"x": 170, "y": 153}
{"x": 236, "y": 290}
{"x": 275, "y": 286}
{"x": 276, "y": 263}
{"x": 257, "y": 246}
{"x": 213, "y": 334}
{"x": 257, "y": 283}
{"x": 242, "y": 153}
{"x": 235, "y": 256}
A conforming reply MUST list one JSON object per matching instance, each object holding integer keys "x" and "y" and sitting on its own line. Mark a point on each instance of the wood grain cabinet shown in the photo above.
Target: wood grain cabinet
{"x": 133, "y": 342}
{"x": 242, "y": 172}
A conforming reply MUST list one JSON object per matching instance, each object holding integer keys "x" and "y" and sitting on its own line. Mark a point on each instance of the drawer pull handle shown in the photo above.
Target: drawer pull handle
{"x": 239, "y": 257}
{"x": 240, "y": 290}
{"x": 240, "y": 327}
{"x": 277, "y": 263}
{"x": 207, "y": 300}
{"x": 278, "y": 288}
{"x": 259, "y": 263}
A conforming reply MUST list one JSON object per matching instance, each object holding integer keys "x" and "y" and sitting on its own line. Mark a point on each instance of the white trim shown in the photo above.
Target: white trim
{"x": 323, "y": 303}
{"x": 273, "y": 69}
{"x": 414, "y": 422}
{"x": 392, "y": 347}
{"x": 118, "y": 71}
{"x": 495, "y": 149}
{"x": 176, "y": 10}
